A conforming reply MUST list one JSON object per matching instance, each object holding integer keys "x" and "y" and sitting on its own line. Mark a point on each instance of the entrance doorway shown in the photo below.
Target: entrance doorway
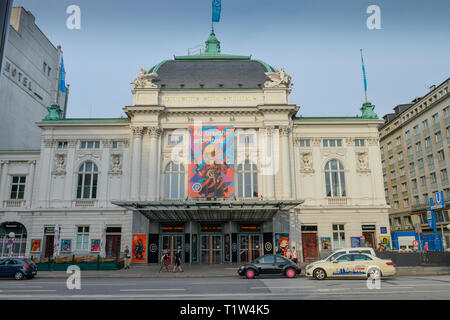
{"x": 369, "y": 240}
{"x": 249, "y": 247}
{"x": 211, "y": 249}
{"x": 309, "y": 244}
{"x": 49, "y": 243}
{"x": 112, "y": 245}
{"x": 173, "y": 243}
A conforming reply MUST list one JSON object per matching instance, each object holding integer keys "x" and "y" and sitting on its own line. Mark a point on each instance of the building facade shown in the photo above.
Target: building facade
{"x": 29, "y": 82}
{"x": 415, "y": 158}
{"x": 211, "y": 159}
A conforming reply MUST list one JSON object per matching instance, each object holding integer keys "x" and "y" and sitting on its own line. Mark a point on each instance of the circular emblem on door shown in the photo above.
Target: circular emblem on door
{"x": 153, "y": 247}
{"x": 268, "y": 246}
{"x": 187, "y": 246}
{"x": 234, "y": 247}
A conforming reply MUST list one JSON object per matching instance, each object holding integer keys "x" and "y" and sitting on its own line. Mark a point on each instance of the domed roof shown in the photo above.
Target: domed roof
{"x": 211, "y": 70}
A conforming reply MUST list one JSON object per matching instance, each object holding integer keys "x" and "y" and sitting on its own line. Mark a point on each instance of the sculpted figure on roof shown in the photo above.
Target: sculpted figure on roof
{"x": 144, "y": 80}
{"x": 278, "y": 79}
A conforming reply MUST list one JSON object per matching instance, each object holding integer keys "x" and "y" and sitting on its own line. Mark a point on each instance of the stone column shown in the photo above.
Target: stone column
{"x": 71, "y": 171}
{"x": 138, "y": 132}
{"x": 154, "y": 133}
{"x": 30, "y": 183}
{"x": 45, "y": 172}
{"x": 103, "y": 181}
{"x": 285, "y": 162}
{"x": 267, "y": 157}
{"x": 3, "y": 181}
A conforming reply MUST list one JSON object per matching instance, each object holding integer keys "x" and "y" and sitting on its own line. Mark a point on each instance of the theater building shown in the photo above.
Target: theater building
{"x": 211, "y": 159}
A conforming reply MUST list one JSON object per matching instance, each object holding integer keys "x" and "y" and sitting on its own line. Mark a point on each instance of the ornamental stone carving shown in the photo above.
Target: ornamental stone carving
{"x": 144, "y": 80}
{"x": 49, "y": 143}
{"x": 138, "y": 131}
{"x": 115, "y": 164}
{"x": 372, "y": 141}
{"x": 72, "y": 143}
{"x": 362, "y": 164}
{"x": 316, "y": 141}
{"x": 307, "y": 165}
{"x": 284, "y": 131}
{"x": 154, "y": 132}
{"x": 278, "y": 79}
{"x": 60, "y": 164}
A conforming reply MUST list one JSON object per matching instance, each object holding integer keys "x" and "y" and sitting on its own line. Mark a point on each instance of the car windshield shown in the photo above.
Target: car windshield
{"x": 29, "y": 261}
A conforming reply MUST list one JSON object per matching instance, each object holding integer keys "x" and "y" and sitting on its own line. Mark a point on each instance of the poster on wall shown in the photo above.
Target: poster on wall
{"x": 95, "y": 245}
{"x": 355, "y": 242}
{"x": 281, "y": 243}
{"x": 211, "y": 162}
{"x": 36, "y": 245}
{"x": 325, "y": 243}
{"x": 386, "y": 241}
{"x": 66, "y": 245}
{"x": 139, "y": 248}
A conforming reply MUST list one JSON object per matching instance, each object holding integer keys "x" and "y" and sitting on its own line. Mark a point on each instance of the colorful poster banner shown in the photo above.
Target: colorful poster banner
{"x": 95, "y": 245}
{"x": 355, "y": 242}
{"x": 281, "y": 243}
{"x": 139, "y": 248}
{"x": 36, "y": 245}
{"x": 66, "y": 245}
{"x": 386, "y": 241}
{"x": 325, "y": 243}
{"x": 211, "y": 163}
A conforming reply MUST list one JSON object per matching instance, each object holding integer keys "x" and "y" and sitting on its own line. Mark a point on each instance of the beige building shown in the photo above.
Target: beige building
{"x": 415, "y": 155}
{"x": 275, "y": 180}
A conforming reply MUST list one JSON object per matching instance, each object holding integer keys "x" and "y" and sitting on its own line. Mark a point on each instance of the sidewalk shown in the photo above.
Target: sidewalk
{"x": 206, "y": 271}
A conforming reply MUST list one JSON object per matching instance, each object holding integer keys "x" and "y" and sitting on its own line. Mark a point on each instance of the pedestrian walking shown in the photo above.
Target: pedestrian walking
{"x": 127, "y": 258}
{"x": 425, "y": 250}
{"x": 177, "y": 261}
{"x": 165, "y": 261}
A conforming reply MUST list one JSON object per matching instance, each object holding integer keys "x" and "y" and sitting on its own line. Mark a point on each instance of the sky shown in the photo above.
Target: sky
{"x": 318, "y": 43}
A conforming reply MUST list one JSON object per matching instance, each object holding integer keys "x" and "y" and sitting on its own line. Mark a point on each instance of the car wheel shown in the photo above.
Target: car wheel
{"x": 18, "y": 275}
{"x": 290, "y": 273}
{"x": 250, "y": 274}
{"x": 374, "y": 273}
{"x": 319, "y": 274}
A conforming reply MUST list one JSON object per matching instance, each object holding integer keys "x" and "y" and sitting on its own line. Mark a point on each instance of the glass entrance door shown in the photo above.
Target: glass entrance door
{"x": 173, "y": 243}
{"x": 211, "y": 249}
{"x": 249, "y": 247}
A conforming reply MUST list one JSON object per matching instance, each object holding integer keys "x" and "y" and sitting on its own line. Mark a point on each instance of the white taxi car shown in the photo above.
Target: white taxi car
{"x": 351, "y": 265}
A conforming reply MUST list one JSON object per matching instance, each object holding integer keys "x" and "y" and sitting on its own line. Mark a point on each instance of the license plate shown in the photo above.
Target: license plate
{"x": 34, "y": 272}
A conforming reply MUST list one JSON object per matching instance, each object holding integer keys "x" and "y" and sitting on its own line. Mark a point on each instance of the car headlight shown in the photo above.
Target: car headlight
{"x": 309, "y": 266}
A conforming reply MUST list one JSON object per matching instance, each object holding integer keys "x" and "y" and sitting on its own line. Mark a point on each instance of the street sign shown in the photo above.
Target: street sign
{"x": 415, "y": 243}
{"x": 439, "y": 200}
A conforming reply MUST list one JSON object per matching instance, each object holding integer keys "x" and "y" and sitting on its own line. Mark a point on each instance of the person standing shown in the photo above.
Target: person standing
{"x": 127, "y": 257}
{"x": 425, "y": 250}
{"x": 294, "y": 255}
{"x": 177, "y": 261}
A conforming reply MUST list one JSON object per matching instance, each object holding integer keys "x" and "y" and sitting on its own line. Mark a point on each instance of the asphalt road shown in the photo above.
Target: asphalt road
{"x": 232, "y": 288}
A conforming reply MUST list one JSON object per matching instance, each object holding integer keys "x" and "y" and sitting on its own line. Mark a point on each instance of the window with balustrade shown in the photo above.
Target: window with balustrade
{"x": 18, "y": 187}
{"x": 87, "y": 181}
{"x": 335, "y": 179}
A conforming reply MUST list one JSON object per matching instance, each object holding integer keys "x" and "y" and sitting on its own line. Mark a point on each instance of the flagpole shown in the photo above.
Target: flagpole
{"x": 364, "y": 75}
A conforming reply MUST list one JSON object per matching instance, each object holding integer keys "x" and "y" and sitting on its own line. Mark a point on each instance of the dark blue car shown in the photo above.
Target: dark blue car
{"x": 19, "y": 268}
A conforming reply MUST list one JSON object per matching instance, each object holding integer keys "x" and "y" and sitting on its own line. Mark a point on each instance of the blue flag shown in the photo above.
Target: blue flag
{"x": 62, "y": 80}
{"x": 364, "y": 73}
{"x": 216, "y": 8}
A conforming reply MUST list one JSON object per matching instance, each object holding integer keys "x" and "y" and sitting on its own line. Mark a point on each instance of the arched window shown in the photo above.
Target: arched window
{"x": 247, "y": 180}
{"x": 174, "y": 181}
{"x": 87, "y": 181}
{"x": 335, "y": 179}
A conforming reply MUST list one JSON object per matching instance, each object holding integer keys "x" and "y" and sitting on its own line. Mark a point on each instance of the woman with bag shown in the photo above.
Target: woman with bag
{"x": 165, "y": 261}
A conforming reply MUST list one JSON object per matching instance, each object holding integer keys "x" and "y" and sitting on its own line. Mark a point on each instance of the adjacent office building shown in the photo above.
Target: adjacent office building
{"x": 415, "y": 142}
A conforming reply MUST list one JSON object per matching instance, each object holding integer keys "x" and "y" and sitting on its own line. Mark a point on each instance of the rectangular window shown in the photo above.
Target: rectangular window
{"x": 416, "y": 200}
{"x": 427, "y": 142}
{"x": 359, "y": 142}
{"x": 433, "y": 177}
{"x": 414, "y": 182}
{"x": 83, "y": 238}
{"x": 408, "y": 135}
{"x": 438, "y": 137}
{"x": 174, "y": 139}
{"x": 390, "y": 146}
{"x": 435, "y": 118}
{"x": 338, "y": 236}
{"x": 404, "y": 187}
{"x": 399, "y": 141}
{"x": 332, "y": 143}
{"x": 62, "y": 145}
{"x": 441, "y": 155}
{"x": 416, "y": 130}
{"x": 391, "y": 160}
{"x": 413, "y": 167}
{"x": 18, "y": 187}
{"x": 400, "y": 156}
{"x": 410, "y": 151}
{"x": 90, "y": 145}
{"x": 447, "y": 112}
{"x": 305, "y": 143}
{"x": 406, "y": 203}
{"x": 430, "y": 159}
{"x": 425, "y": 124}
{"x": 444, "y": 175}
{"x": 420, "y": 163}
{"x": 117, "y": 144}
{"x": 395, "y": 190}
{"x": 402, "y": 171}
{"x": 423, "y": 181}
{"x": 393, "y": 174}
{"x": 419, "y": 146}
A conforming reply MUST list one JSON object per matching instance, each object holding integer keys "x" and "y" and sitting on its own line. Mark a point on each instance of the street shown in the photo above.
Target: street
{"x": 227, "y": 288}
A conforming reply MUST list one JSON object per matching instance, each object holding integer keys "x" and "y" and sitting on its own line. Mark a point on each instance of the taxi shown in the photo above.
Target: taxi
{"x": 351, "y": 265}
